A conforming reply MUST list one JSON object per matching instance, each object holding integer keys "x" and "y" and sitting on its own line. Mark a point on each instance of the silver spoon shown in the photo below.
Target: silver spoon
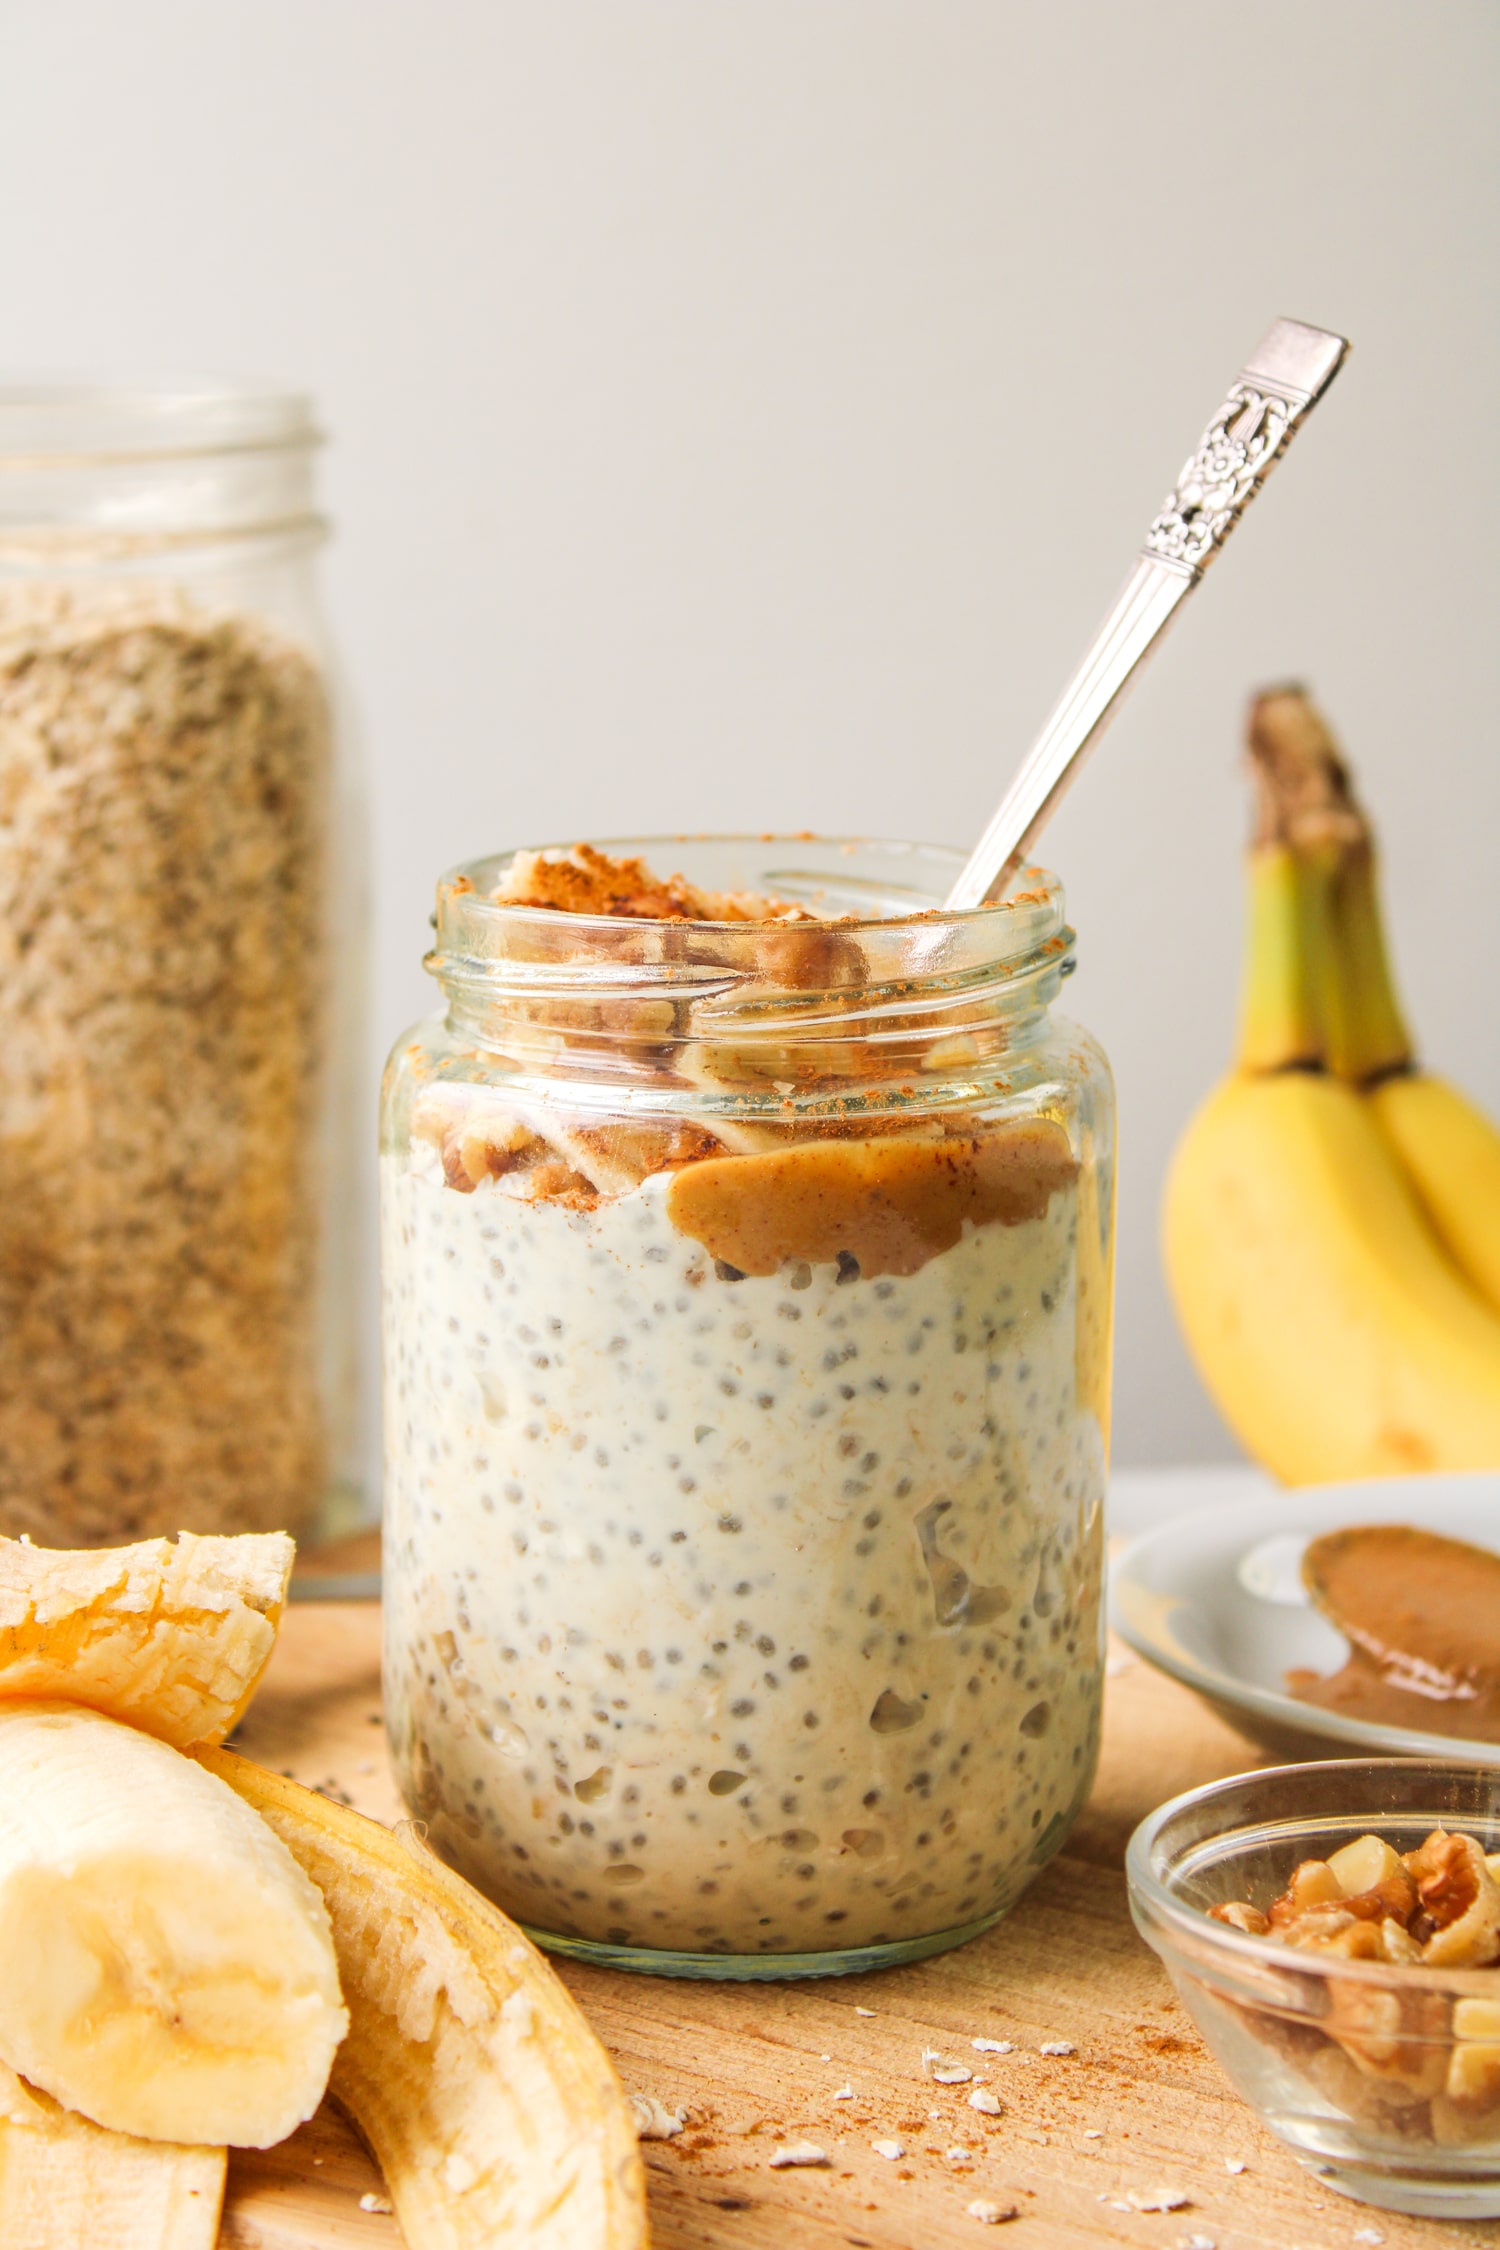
{"x": 1280, "y": 383}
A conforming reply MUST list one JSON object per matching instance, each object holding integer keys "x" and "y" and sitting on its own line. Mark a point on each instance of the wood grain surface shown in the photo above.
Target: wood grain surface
{"x": 1139, "y": 2105}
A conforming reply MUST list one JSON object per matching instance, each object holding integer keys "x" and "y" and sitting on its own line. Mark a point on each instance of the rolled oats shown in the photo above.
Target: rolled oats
{"x": 162, "y": 973}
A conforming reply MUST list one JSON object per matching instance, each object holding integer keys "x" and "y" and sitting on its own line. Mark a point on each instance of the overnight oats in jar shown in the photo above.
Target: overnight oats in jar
{"x": 747, "y": 1248}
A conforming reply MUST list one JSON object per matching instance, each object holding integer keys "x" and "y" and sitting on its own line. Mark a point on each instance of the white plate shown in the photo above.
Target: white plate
{"x": 1215, "y": 1599}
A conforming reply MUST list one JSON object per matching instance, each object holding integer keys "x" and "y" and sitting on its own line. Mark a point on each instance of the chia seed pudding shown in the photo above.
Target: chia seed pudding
{"x": 744, "y": 1512}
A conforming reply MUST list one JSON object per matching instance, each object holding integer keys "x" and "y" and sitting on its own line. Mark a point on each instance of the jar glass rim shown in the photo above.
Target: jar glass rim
{"x": 57, "y": 420}
{"x": 1032, "y": 909}
{"x": 879, "y": 958}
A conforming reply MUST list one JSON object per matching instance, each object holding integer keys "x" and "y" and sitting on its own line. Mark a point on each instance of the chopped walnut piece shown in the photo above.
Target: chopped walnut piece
{"x": 1357, "y": 1941}
{"x": 1317, "y": 1926}
{"x": 1473, "y": 2081}
{"x": 1400, "y": 2036}
{"x": 1313, "y": 1884}
{"x": 1399, "y": 1943}
{"x": 1462, "y": 1900}
{"x": 1364, "y": 1864}
{"x": 1241, "y": 1916}
{"x": 1393, "y": 1900}
{"x": 1473, "y": 2085}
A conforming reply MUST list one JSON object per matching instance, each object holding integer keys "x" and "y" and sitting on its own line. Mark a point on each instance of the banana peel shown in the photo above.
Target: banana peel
{"x": 170, "y": 1638}
{"x": 490, "y": 2106}
{"x": 68, "y": 2185}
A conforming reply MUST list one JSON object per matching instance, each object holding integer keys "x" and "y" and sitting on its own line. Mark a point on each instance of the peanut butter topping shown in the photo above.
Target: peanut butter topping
{"x": 1423, "y": 1614}
{"x": 588, "y": 881}
{"x": 885, "y": 1205}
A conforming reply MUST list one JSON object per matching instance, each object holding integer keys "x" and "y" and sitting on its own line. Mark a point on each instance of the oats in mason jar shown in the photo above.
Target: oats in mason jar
{"x": 162, "y": 972}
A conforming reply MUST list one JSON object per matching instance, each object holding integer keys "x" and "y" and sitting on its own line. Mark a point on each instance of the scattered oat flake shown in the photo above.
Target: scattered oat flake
{"x": 987, "y": 2104}
{"x": 1093, "y": 2134}
{"x": 797, "y": 2152}
{"x": 992, "y": 2214}
{"x": 1234, "y": 2164}
{"x": 890, "y": 2150}
{"x": 844, "y": 2094}
{"x": 653, "y": 2120}
{"x": 1058, "y": 2047}
{"x": 1199, "y": 2242}
{"x": 958, "y": 2154}
{"x": 1157, "y": 2199}
{"x": 374, "y": 2203}
{"x": 943, "y": 2070}
{"x": 864, "y": 2011}
{"x": 1368, "y": 2234}
{"x": 991, "y": 2046}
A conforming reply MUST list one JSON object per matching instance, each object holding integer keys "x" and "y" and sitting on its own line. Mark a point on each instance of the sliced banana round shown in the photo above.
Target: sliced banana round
{"x": 166, "y": 1967}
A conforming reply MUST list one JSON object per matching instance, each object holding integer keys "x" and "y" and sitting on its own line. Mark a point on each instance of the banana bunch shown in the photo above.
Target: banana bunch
{"x": 192, "y": 1950}
{"x": 1332, "y": 1212}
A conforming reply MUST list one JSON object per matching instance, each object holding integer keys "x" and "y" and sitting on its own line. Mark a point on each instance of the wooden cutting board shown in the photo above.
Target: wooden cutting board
{"x": 1138, "y": 2106}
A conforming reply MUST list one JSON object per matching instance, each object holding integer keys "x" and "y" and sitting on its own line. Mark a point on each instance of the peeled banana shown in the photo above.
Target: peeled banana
{"x": 68, "y": 2185}
{"x": 491, "y": 2107}
{"x": 171, "y": 1638}
{"x": 1334, "y": 1329}
{"x": 174, "y": 1932}
{"x": 166, "y": 1967}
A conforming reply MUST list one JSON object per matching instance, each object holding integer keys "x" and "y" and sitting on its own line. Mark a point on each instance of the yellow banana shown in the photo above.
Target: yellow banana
{"x": 1452, "y": 1156}
{"x": 1449, "y": 1148}
{"x": 1334, "y": 1335}
{"x": 1332, "y": 1330}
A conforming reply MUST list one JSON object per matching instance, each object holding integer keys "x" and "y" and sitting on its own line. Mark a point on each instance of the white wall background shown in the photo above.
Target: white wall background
{"x": 743, "y": 409}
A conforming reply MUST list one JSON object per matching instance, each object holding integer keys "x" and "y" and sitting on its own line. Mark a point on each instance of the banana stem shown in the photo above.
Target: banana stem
{"x": 1308, "y": 808}
{"x": 1280, "y": 1024}
{"x": 1367, "y": 1035}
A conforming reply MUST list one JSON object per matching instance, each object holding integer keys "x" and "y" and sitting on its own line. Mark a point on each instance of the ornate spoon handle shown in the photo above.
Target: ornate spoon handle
{"x": 1280, "y": 383}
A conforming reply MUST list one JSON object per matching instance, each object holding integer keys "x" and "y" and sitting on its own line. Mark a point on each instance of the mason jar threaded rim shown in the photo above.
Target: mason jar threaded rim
{"x": 491, "y": 954}
{"x": 94, "y": 473}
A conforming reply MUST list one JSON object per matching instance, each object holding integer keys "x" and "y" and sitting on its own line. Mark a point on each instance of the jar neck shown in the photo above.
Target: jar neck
{"x": 93, "y": 476}
{"x": 910, "y": 1006}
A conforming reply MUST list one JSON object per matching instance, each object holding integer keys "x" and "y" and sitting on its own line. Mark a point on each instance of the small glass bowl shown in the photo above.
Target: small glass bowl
{"x": 1354, "y": 2064}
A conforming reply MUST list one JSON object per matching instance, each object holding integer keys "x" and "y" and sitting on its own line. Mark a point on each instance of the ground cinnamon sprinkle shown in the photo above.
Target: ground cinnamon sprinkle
{"x": 587, "y": 881}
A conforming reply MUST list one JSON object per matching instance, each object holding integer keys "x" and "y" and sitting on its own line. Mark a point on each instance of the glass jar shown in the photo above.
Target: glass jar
{"x": 179, "y": 1150}
{"x": 747, "y": 1321}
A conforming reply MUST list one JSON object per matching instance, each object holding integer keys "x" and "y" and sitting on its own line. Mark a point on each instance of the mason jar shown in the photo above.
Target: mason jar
{"x": 181, "y": 889}
{"x": 747, "y": 1300}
